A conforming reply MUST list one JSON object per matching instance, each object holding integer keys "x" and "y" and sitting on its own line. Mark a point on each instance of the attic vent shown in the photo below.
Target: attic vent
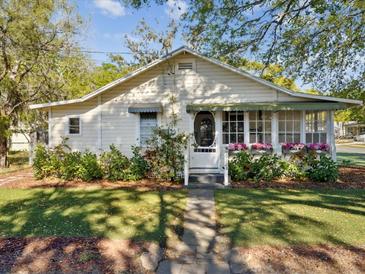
{"x": 185, "y": 66}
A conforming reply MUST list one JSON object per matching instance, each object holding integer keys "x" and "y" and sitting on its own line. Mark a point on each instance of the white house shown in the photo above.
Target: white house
{"x": 218, "y": 103}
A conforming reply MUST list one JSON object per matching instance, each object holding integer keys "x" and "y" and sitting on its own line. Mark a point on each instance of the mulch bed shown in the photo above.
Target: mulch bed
{"x": 349, "y": 178}
{"x": 303, "y": 259}
{"x": 69, "y": 255}
{"x": 28, "y": 181}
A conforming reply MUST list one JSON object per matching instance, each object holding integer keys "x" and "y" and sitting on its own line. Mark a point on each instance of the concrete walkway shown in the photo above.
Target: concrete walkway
{"x": 202, "y": 250}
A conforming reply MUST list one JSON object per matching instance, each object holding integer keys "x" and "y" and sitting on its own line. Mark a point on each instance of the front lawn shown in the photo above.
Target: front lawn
{"x": 121, "y": 214}
{"x": 257, "y": 217}
{"x": 352, "y": 159}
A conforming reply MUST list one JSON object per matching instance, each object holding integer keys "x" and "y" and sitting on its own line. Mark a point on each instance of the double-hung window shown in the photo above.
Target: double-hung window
{"x": 74, "y": 126}
{"x": 315, "y": 126}
{"x": 148, "y": 122}
{"x": 260, "y": 126}
{"x": 233, "y": 127}
{"x": 289, "y": 126}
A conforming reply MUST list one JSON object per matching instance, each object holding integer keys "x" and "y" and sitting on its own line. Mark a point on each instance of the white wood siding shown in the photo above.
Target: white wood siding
{"x": 207, "y": 83}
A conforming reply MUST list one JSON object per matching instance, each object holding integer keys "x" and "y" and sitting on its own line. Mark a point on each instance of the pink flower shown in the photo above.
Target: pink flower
{"x": 296, "y": 146}
{"x": 237, "y": 146}
{"x": 318, "y": 146}
{"x": 260, "y": 146}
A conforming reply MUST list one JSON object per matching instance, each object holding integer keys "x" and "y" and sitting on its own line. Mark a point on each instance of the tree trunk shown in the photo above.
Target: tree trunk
{"x": 3, "y": 152}
{"x": 4, "y": 138}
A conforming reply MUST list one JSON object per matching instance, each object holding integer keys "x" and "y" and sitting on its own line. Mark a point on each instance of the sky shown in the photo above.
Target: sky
{"x": 108, "y": 21}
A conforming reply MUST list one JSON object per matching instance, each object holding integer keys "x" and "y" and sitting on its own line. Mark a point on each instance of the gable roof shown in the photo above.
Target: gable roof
{"x": 211, "y": 60}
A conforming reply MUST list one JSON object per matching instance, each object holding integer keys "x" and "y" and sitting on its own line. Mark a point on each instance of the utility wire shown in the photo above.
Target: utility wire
{"x": 105, "y": 52}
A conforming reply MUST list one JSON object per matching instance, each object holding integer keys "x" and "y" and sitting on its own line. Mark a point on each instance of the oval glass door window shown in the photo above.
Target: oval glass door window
{"x": 204, "y": 129}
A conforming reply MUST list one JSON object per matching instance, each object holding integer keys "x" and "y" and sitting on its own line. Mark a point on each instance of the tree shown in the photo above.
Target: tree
{"x": 149, "y": 44}
{"x": 271, "y": 72}
{"x": 109, "y": 71}
{"x": 37, "y": 53}
{"x": 320, "y": 41}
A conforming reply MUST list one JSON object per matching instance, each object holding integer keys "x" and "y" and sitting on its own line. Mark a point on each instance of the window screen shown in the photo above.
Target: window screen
{"x": 315, "y": 126}
{"x": 289, "y": 126}
{"x": 260, "y": 126}
{"x": 148, "y": 122}
{"x": 233, "y": 127}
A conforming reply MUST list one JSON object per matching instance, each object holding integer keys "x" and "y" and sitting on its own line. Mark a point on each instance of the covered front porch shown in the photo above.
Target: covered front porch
{"x": 215, "y": 127}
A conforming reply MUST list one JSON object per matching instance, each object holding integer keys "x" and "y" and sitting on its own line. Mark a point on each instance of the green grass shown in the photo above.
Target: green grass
{"x": 288, "y": 217}
{"x": 353, "y": 159}
{"x": 18, "y": 160}
{"x": 122, "y": 214}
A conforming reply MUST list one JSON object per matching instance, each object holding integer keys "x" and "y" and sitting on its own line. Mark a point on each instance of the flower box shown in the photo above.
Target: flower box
{"x": 318, "y": 147}
{"x": 237, "y": 147}
{"x": 260, "y": 148}
{"x": 290, "y": 148}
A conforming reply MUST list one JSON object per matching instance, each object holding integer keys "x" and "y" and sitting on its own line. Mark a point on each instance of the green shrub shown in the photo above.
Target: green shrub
{"x": 41, "y": 162}
{"x": 138, "y": 167}
{"x": 295, "y": 171}
{"x": 114, "y": 164}
{"x": 239, "y": 166}
{"x": 267, "y": 168}
{"x": 165, "y": 153}
{"x": 89, "y": 168}
{"x": 69, "y": 166}
{"x": 322, "y": 170}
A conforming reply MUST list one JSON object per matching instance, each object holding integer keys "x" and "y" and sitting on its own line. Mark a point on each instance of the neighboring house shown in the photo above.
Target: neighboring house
{"x": 218, "y": 103}
{"x": 19, "y": 141}
{"x": 351, "y": 129}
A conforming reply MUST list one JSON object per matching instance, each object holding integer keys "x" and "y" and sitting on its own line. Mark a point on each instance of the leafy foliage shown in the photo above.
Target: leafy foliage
{"x": 267, "y": 167}
{"x": 240, "y": 165}
{"x": 165, "y": 153}
{"x": 88, "y": 168}
{"x": 323, "y": 170}
{"x": 69, "y": 166}
{"x": 40, "y": 162}
{"x": 138, "y": 166}
{"x": 114, "y": 164}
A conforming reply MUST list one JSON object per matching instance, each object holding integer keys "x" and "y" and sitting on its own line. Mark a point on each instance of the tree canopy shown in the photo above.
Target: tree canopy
{"x": 37, "y": 57}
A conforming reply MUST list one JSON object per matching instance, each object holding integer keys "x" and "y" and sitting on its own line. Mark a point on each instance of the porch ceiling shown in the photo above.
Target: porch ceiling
{"x": 272, "y": 106}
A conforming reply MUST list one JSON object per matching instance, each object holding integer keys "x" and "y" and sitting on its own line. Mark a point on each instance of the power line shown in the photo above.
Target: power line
{"x": 105, "y": 52}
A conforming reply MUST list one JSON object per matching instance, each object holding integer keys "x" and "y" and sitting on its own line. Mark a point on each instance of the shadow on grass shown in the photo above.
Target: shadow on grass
{"x": 356, "y": 159}
{"x": 127, "y": 215}
{"x": 313, "y": 224}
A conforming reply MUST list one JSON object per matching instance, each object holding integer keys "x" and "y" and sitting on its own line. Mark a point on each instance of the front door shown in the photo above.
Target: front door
{"x": 204, "y": 153}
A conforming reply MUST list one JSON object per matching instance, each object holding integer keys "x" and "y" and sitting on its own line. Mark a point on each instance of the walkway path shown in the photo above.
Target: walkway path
{"x": 8, "y": 178}
{"x": 202, "y": 250}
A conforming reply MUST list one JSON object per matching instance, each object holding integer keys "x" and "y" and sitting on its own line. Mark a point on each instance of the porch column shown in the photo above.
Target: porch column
{"x": 302, "y": 127}
{"x": 50, "y": 144}
{"x": 246, "y": 129}
{"x": 186, "y": 165}
{"x": 331, "y": 133}
{"x": 218, "y": 136}
{"x": 275, "y": 132}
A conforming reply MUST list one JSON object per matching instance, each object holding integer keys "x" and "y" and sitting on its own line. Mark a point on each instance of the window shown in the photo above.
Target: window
{"x": 260, "y": 126}
{"x": 315, "y": 127}
{"x": 233, "y": 127}
{"x": 185, "y": 66}
{"x": 74, "y": 125}
{"x": 148, "y": 122}
{"x": 289, "y": 127}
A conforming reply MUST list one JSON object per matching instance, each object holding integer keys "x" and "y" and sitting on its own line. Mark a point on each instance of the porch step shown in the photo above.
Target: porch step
{"x": 206, "y": 181}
